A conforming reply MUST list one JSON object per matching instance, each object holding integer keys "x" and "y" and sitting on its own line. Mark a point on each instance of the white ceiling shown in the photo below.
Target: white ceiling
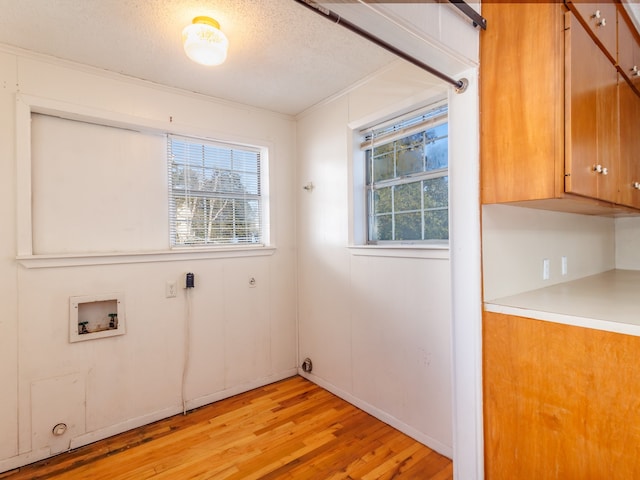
{"x": 282, "y": 56}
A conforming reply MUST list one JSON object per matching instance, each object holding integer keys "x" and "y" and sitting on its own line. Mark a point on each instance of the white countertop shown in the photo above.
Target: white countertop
{"x": 607, "y": 301}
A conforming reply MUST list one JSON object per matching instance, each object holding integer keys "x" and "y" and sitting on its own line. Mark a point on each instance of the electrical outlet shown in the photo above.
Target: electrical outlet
{"x": 546, "y": 266}
{"x": 170, "y": 289}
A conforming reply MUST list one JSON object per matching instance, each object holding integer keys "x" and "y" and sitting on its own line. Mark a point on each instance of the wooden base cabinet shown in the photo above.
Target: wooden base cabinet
{"x": 560, "y": 402}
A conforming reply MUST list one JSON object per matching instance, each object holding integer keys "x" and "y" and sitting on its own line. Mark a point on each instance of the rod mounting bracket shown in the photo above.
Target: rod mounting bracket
{"x": 463, "y": 84}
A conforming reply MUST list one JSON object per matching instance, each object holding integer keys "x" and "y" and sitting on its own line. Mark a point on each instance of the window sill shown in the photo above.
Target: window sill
{"x": 86, "y": 259}
{"x": 435, "y": 252}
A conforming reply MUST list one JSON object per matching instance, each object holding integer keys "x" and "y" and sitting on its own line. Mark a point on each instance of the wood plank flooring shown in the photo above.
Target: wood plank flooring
{"x": 291, "y": 429}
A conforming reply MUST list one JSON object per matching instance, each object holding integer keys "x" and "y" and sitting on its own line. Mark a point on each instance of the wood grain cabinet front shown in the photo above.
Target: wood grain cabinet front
{"x": 628, "y": 50}
{"x": 591, "y": 117}
{"x": 560, "y": 402}
{"x": 550, "y": 108}
{"x": 629, "y": 146}
{"x": 600, "y": 18}
{"x": 522, "y": 102}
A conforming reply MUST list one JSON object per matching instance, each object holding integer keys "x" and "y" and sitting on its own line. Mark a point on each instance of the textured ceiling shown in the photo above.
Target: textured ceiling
{"x": 282, "y": 56}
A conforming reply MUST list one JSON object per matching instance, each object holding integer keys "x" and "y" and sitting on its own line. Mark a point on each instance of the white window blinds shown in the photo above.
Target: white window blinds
{"x": 215, "y": 193}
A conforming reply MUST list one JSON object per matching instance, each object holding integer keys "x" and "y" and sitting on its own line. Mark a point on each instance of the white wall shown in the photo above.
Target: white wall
{"x": 8, "y": 269}
{"x": 377, "y": 326}
{"x": 515, "y": 241}
{"x": 241, "y": 337}
{"x": 627, "y": 241}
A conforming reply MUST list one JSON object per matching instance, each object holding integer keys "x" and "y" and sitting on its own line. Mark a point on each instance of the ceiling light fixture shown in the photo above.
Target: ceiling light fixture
{"x": 204, "y": 43}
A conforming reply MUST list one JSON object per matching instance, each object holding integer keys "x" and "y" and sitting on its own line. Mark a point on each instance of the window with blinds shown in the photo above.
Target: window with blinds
{"x": 407, "y": 182}
{"x": 214, "y": 193}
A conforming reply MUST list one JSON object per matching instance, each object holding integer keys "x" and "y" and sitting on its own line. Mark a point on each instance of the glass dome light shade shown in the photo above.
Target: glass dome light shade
{"x": 204, "y": 43}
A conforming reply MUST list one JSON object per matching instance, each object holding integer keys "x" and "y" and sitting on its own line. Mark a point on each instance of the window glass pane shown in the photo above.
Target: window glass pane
{"x": 383, "y": 167}
{"x": 178, "y": 177}
{"x": 382, "y": 201}
{"x": 245, "y": 161}
{"x": 411, "y": 159}
{"x": 250, "y": 183}
{"x": 438, "y": 154}
{"x": 436, "y": 192}
{"x": 436, "y": 224}
{"x": 382, "y": 228}
{"x": 407, "y": 197}
{"x": 216, "y": 157}
{"x": 408, "y": 226}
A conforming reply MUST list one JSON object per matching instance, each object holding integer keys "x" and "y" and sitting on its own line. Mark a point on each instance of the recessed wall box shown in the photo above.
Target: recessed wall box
{"x": 96, "y": 316}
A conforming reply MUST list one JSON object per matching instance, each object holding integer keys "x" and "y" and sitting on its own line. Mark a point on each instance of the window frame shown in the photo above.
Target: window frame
{"x": 397, "y": 128}
{"x": 213, "y": 195}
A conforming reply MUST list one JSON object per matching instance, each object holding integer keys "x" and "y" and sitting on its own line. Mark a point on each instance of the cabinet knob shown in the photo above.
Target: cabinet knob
{"x": 634, "y": 69}
{"x": 602, "y": 22}
{"x": 600, "y": 169}
{"x": 636, "y": 185}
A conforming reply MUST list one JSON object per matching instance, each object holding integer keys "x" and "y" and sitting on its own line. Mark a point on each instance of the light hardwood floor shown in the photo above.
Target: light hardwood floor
{"x": 291, "y": 429}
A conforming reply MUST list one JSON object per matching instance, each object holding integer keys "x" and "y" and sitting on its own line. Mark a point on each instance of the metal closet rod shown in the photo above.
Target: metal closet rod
{"x": 477, "y": 19}
{"x": 460, "y": 85}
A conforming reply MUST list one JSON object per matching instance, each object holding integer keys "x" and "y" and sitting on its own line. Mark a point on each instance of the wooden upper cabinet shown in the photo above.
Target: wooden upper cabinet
{"x": 591, "y": 118}
{"x": 628, "y": 50}
{"x": 550, "y": 119}
{"x": 600, "y": 18}
{"x": 629, "y": 146}
{"x": 629, "y": 67}
{"x": 522, "y": 102}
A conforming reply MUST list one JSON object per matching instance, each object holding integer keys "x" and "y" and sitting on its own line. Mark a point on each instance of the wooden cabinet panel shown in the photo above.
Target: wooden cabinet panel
{"x": 608, "y": 132}
{"x": 581, "y": 113}
{"x": 560, "y": 402}
{"x": 628, "y": 50}
{"x": 600, "y": 18}
{"x": 591, "y": 161}
{"x": 629, "y": 146}
{"x": 522, "y": 102}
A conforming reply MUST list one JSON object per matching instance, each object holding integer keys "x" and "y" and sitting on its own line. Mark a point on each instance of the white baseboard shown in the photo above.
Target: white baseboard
{"x": 24, "y": 459}
{"x": 381, "y": 415}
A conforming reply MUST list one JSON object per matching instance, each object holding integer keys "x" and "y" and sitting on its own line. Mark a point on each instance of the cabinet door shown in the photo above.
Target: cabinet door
{"x": 628, "y": 51}
{"x": 629, "y": 146}
{"x": 591, "y": 118}
{"x": 561, "y": 402}
{"x": 600, "y": 17}
{"x": 608, "y": 128}
{"x": 521, "y": 102}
